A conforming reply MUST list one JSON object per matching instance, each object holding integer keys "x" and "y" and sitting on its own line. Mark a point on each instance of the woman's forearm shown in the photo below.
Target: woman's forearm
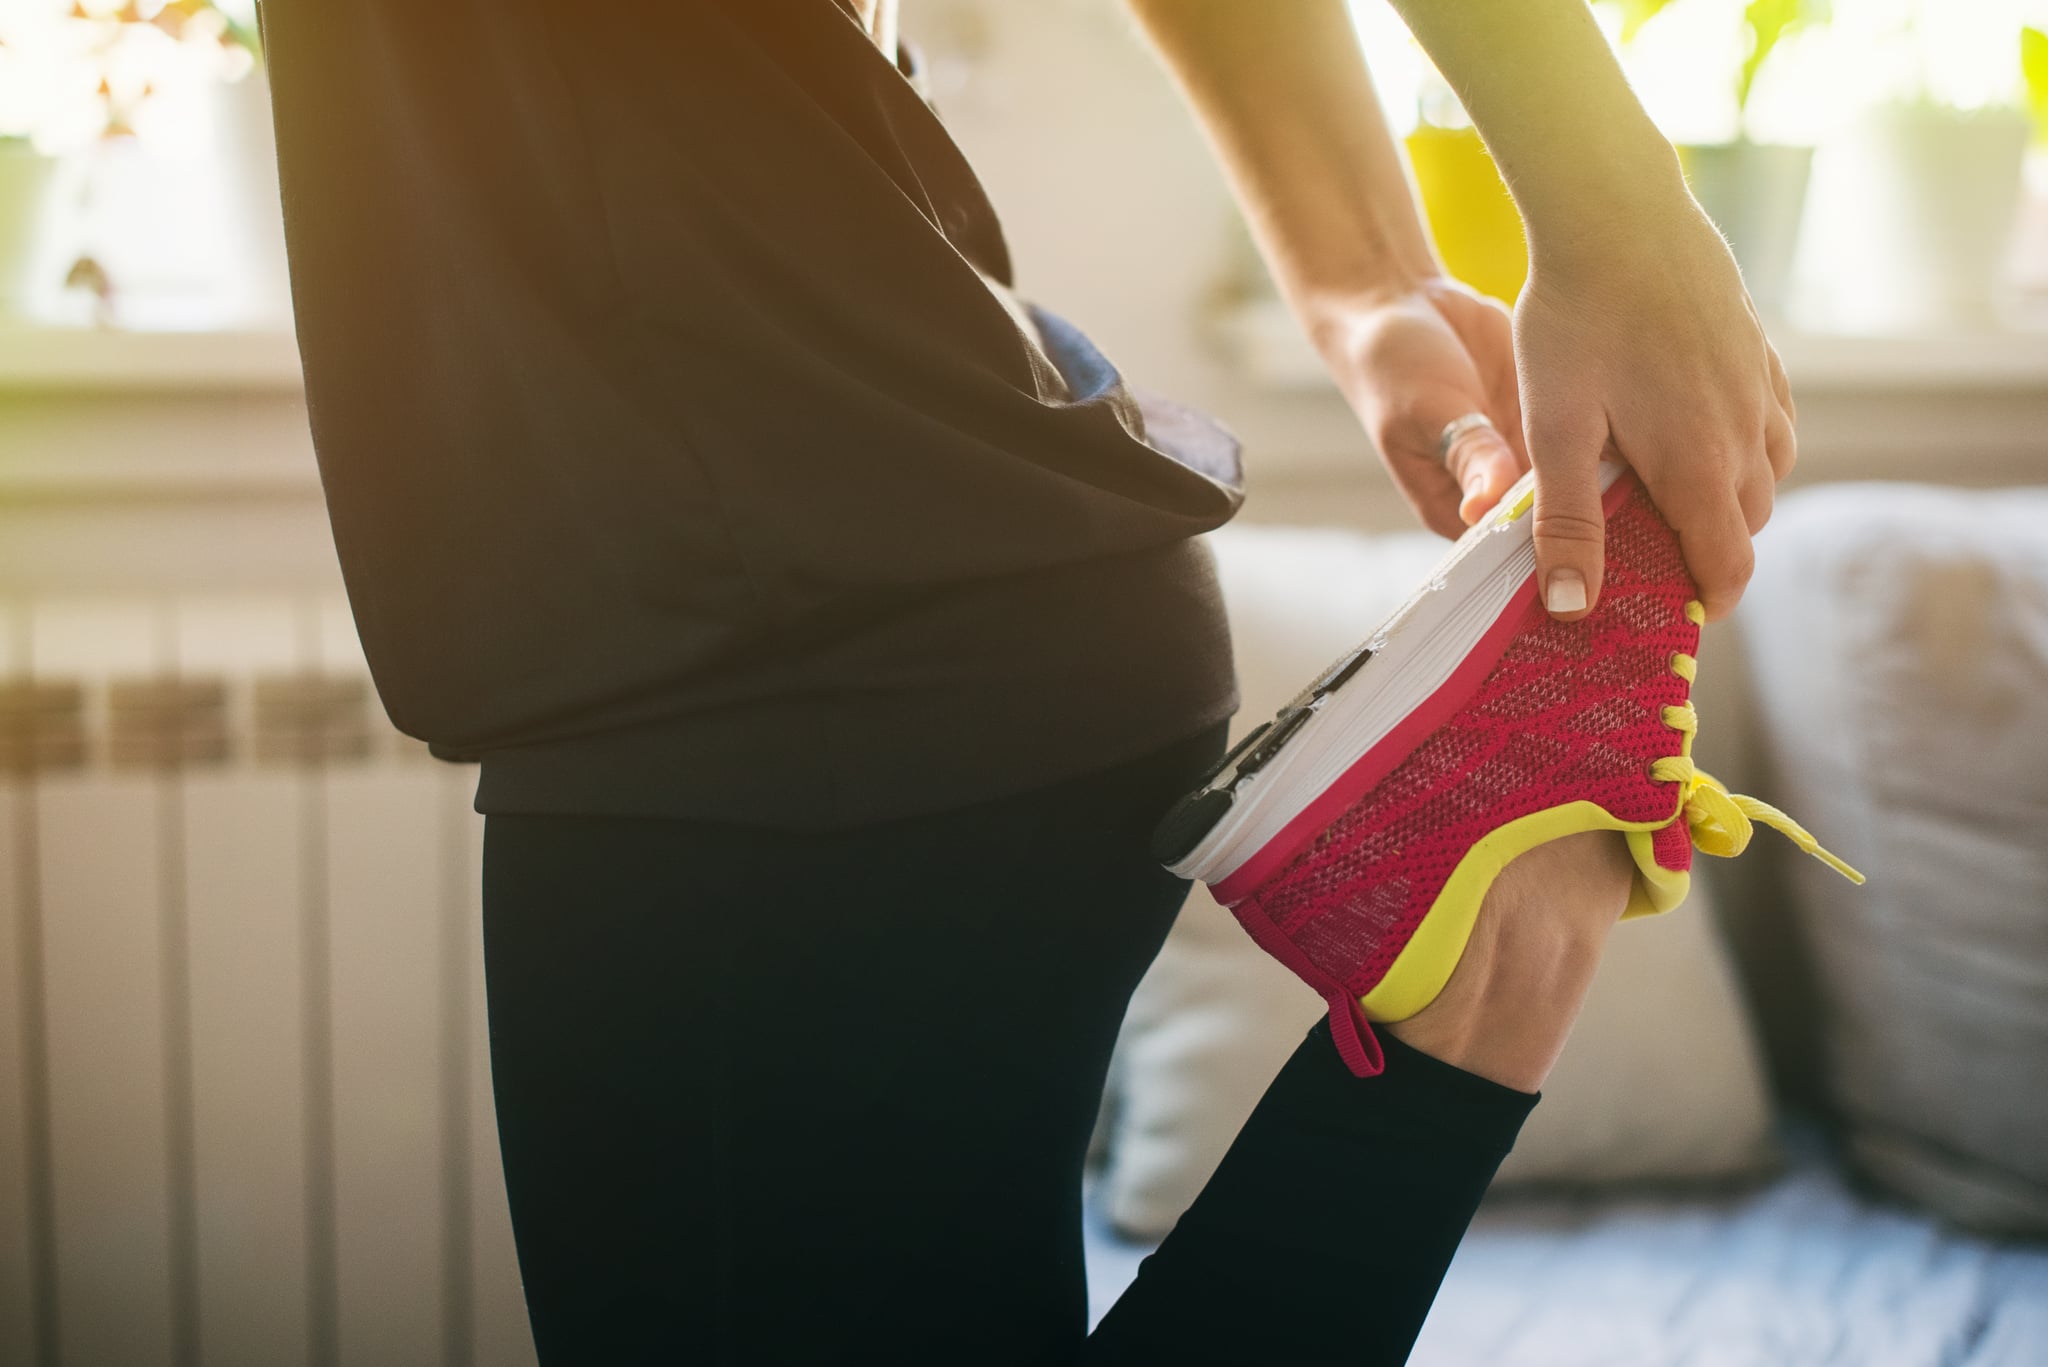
{"x": 1586, "y": 166}
{"x": 1283, "y": 93}
{"x": 1284, "y": 96}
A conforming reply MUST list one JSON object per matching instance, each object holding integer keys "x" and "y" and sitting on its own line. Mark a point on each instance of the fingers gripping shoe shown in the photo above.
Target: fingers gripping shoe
{"x": 1356, "y": 833}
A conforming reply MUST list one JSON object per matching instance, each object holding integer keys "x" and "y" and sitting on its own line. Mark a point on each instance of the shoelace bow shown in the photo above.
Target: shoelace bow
{"x": 1721, "y": 822}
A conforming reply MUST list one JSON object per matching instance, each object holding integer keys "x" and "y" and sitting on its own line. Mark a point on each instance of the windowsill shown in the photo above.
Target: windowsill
{"x": 1267, "y": 348}
{"x": 1261, "y": 339}
{"x": 109, "y": 416}
{"x": 46, "y": 359}
{"x": 114, "y": 416}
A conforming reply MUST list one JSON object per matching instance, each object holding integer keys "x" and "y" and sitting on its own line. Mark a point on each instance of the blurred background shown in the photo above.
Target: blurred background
{"x": 244, "y": 1101}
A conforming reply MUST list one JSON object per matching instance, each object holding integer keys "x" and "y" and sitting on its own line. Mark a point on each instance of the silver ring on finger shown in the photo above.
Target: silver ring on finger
{"x": 1456, "y": 430}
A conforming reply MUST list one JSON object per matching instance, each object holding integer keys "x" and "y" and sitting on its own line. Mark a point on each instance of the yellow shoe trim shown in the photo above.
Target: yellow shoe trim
{"x": 1520, "y": 506}
{"x": 1656, "y": 889}
{"x": 1425, "y": 963}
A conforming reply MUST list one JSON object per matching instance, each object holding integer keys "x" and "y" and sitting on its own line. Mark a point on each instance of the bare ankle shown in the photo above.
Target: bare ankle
{"x": 1510, "y": 1004}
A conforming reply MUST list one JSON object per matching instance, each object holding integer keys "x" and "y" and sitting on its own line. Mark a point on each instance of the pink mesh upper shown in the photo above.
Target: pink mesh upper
{"x": 1571, "y": 711}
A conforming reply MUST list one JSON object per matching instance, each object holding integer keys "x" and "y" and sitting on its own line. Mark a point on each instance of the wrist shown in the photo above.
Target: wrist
{"x": 1621, "y": 204}
{"x": 1333, "y": 317}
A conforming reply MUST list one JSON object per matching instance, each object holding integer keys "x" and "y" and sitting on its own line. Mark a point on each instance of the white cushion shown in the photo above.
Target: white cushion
{"x": 1661, "y": 1078}
{"x": 1899, "y": 638}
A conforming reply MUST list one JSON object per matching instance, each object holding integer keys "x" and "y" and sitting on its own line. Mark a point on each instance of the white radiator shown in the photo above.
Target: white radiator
{"x": 245, "y": 1108}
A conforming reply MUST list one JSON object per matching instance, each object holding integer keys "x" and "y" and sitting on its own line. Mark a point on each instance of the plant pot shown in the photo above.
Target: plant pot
{"x": 258, "y": 288}
{"x": 1756, "y": 194}
{"x": 26, "y": 180}
{"x": 1920, "y": 206}
{"x": 1477, "y": 230}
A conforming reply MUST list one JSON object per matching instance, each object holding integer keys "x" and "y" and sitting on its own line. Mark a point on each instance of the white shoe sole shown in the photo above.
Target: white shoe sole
{"x": 1293, "y": 776}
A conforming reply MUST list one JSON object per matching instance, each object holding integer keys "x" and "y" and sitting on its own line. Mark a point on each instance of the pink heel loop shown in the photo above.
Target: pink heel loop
{"x": 1356, "y": 1043}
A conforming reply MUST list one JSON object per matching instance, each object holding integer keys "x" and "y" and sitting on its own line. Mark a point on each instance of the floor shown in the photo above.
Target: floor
{"x": 1801, "y": 1272}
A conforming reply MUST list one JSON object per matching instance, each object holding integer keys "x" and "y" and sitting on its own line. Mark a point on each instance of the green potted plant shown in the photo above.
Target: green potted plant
{"x": 76, "y": 80}
{"x": 1754, "y": 191}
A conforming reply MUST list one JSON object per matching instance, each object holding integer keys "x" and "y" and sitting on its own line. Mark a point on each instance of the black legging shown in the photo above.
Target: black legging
{"x": 794, "y": 1097}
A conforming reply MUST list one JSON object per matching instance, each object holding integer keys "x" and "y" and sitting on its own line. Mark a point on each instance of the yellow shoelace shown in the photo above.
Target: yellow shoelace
{"x": 1721, "y": 822}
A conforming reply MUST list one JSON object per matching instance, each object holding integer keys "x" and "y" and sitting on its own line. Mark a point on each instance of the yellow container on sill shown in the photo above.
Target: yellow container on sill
{"x": 1477, "y": 231}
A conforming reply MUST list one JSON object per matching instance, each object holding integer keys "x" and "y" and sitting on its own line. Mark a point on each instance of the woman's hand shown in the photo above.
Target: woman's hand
{"x": 1634, "y": 330}
{"x": 1412, "y": 363}
{"x": 1643, "y": 338}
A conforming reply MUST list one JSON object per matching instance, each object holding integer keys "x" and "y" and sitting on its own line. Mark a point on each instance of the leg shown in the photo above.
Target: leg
{"x": 1508, "y": 1008}
{"x": 1331, "y": 1221}
{"x": 816, "y": 1097}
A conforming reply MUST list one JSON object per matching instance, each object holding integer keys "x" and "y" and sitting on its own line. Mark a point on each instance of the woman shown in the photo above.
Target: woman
{"x": 828, "y": 625}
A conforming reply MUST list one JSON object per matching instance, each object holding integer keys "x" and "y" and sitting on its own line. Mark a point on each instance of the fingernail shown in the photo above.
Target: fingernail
{"x": 1565, "y": 591}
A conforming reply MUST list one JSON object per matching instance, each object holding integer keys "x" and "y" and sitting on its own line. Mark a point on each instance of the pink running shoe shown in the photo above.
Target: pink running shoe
{"x": 1356, "y": 833}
